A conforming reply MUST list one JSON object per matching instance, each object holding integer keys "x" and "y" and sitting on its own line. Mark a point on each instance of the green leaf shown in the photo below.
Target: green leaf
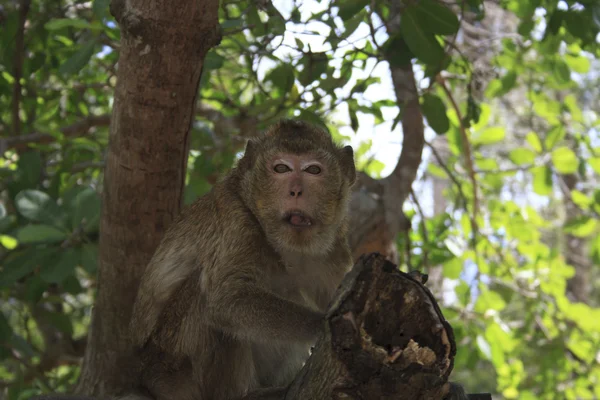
{"x": 232, "y": 23}
{"x": 521, "y": 156}
{"x": 40, "y": 234}
{"x": 314, "y": 64}
{"x": 100, "y": 7}
{"x": 534, "y": 141}
{"x": 422, "y": 44}
{"x": 581, "y": 199}
{"x": 436, "y": 18}
{"x": 578, "y": 63}
{"x": 542, "y": 180}
{"x": 565, "y": 161}
{"x": 19, "y": 264}
{"x": 60, "y": 23}
{"x": 452, "y": 268}
{"x": 489, "y": 300}
{"x": 349, "y": 8}
{"x": 61, "y": 266}
{"x": 86, "y": 210}
{"x": 435, "y": 111}
{"x": 489, "y": 136}
{"x": 88, "y": 254}
{"x": 29, "y": 169}
{"x": 561, "y": 71}
{"x": 595, "y": 164}
{"x": 554, "y": 136}
{"x": 37, "y": 206}
{"x": 581, "y": 227}
{"x": 396, "y": 51}
{"x": 5, "y": 329}
{"x": 282, "y": 77}
{"x": 79, "y": 59}
{"x": 9, "y": 242}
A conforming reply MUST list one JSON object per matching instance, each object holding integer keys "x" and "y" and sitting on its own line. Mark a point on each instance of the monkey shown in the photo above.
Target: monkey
{"x": 237, "y": 290}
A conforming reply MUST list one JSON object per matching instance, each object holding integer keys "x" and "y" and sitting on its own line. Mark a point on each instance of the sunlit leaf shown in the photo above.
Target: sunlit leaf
{"x": 565, "y": 161}
{"x": 554, "y": 136}
{"x": 542, "y": 180}
{"x": 579, "y": 63}
{"x": 8, "y": 242}
{"x": 489, "y": 136}
{"x": 521, "y": 156}
{"x": 581, "y": 226}
{"x": 534, "y": 141}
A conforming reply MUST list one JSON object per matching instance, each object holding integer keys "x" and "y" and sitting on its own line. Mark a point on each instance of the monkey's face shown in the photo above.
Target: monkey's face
{"x": 302, "y": 200}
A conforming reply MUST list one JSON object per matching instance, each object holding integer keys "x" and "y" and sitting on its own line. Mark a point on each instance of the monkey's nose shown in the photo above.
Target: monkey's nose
{"x": 296, "y": 193}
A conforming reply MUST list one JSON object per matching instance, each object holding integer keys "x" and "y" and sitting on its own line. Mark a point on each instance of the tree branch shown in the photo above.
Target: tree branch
{"x": 79, "y": 128}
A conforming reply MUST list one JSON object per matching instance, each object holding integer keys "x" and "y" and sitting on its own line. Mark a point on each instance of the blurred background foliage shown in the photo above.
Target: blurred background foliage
{"x": 506, "y": 207}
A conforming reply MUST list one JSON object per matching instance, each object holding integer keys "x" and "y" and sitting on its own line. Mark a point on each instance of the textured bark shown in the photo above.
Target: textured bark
{"x": 163, "y": 44}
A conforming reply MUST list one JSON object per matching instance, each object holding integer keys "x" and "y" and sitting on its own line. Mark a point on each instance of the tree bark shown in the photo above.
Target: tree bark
{"x": 163, "y": 45}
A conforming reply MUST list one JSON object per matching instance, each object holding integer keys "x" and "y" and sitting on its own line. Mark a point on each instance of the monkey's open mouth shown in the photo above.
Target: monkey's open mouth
{"x": 298, "y": 219}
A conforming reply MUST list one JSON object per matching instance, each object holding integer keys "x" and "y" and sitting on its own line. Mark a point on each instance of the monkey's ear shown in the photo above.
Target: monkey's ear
{"x": 247, "y": 161}
{"x": 348, "y": 164}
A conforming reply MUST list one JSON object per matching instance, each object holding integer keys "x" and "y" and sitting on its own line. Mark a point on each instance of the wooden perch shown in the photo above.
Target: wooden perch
{"x": 384, "y": 338}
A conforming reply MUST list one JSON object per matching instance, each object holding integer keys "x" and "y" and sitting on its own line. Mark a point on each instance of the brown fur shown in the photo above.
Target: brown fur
{"x": 233, "y": 298}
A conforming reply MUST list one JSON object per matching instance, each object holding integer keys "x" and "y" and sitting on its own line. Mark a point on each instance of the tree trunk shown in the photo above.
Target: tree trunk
{"x": 163, "y": 45}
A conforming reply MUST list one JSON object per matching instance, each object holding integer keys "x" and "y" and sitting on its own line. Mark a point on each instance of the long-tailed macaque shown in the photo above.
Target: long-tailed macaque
{"x": 236, "y": 291}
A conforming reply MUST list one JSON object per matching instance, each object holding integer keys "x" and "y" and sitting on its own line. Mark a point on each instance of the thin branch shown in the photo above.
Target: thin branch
{"x": 466, "y": 144}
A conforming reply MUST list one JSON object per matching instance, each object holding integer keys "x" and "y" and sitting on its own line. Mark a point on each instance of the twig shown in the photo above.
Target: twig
{"x": 466, "y": 144}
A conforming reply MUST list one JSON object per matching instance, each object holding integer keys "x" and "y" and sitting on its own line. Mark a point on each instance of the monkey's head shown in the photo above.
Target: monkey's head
{"x": 297, "y": 182}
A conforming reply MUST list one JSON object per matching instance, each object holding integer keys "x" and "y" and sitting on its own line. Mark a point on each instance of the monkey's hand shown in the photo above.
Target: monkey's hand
{"x": 247, "y": 311}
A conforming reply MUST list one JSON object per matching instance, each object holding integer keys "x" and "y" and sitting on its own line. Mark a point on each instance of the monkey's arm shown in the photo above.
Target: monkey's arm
{"x": 242, "y": 308}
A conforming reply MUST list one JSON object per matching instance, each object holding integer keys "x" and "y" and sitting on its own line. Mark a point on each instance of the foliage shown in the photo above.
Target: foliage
{"x": 532, "y": 131}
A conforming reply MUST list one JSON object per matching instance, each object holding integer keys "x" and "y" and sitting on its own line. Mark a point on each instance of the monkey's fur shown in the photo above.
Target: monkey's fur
{"x": 234, "y": 296}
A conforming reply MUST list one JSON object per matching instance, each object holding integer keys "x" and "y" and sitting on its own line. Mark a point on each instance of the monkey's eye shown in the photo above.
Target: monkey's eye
{"x": 281, "y": 168}
{"x": 313, "y": 169}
